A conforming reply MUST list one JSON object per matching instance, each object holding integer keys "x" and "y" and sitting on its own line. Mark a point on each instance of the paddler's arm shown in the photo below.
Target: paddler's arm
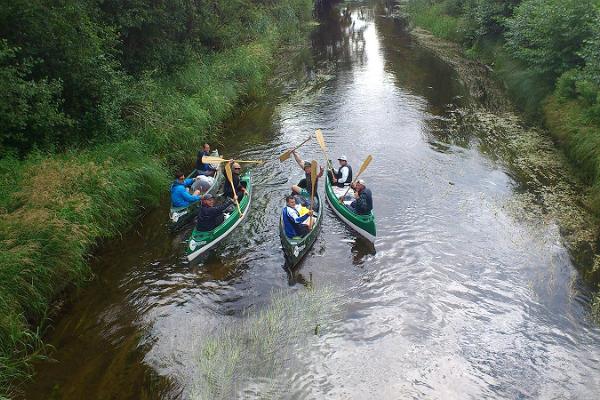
{"x": 298, "y": 159}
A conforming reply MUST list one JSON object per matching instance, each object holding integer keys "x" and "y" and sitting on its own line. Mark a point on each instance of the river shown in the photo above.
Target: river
{"x": 460, "y": 297}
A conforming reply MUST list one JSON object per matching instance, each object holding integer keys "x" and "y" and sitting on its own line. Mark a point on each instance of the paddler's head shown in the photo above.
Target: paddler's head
{"x": 209, "y": 200}
{"x": 360, "y": 185}
{"x": 342, "y": 160}
{"x": 236, "y": 168}
{"x": 307, "y": 167}
{"x": 290, "y": 201}
{"x": 179, "y": 176}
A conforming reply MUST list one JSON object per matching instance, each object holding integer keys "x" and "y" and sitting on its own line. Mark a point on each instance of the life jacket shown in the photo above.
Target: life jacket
{"x": 338, "y": 175}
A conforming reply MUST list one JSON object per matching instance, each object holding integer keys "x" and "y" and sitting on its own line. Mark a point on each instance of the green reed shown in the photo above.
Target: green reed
{"x": 254, "y": 353}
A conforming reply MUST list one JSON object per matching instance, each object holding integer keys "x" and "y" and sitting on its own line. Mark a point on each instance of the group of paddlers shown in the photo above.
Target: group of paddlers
{"x": 298, "y": 208}
{"x": 186, "y": 191}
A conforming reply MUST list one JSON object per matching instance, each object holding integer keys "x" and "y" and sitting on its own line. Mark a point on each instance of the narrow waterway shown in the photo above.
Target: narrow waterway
{"x": 459, "y": 298}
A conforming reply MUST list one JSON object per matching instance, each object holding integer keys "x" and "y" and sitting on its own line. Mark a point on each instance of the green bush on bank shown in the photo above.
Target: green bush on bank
{"x": 547, "y": 53}
{"x": 77, "y": 168}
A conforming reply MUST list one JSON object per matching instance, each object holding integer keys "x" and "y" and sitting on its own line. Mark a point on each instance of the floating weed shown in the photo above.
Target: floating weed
{"x": 252, "y": 356}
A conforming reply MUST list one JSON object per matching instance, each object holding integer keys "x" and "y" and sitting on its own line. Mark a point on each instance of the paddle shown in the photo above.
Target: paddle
{"x": 364, "y": 166}
{"x": 217, "y": 160}
{"x": 313, "y": 181}
{"x": 321, "y": 141}
{"x": 288, "y": 153}
{"x": 230, "y": 178}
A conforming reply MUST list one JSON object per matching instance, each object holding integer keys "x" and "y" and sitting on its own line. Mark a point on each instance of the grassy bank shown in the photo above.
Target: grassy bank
{"x": 56, "y": 205}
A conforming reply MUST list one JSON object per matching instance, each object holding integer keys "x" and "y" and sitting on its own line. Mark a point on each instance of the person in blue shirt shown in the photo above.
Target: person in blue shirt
{"x": 292, "y": 221}
{"x": 180, "y": 197}
{"x": 202, "y": 168}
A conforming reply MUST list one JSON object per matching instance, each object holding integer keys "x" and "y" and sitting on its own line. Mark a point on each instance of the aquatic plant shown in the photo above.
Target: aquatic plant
{"x": 254, "y": 353}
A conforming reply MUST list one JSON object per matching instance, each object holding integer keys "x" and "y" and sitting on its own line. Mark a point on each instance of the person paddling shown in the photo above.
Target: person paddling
{"x": 343, "y": 176}
{"x": 363, "y": 199}
{"x": 209, "y": 215}
{"x": 304, "y": 187}
{"x": 240, "y": 189}
{"x": 293, "y": 223}
{"x": 202, "y": 168}
{"x": 180, "y": 197}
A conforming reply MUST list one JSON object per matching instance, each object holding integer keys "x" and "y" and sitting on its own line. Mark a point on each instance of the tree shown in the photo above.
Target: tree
{"x": 548, "y": 34}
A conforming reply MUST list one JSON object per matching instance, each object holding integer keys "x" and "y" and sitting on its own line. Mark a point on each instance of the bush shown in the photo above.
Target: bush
{"x": 547, "y": 35}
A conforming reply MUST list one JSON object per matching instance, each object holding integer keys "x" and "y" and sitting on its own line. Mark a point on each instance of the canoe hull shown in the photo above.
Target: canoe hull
{"x": 362, "y": 224}
{"x": 295, "y": 249}
{"x": 201, "y": 242}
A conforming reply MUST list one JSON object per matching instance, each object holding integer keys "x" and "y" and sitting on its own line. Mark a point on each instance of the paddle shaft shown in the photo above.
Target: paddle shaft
{"x": 313, "y": 181}
{"x": 230, "y": 178}
{"x": 321, "y": 141}
{"x": 216, "y": 160}
{"x": 287, "y": 153}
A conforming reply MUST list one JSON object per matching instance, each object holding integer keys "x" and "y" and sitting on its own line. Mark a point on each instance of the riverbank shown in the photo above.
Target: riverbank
{"x": 56, "y": 206}
{"x": 560, "y": 174}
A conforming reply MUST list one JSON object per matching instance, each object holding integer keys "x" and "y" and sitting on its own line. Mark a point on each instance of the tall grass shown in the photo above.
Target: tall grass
{"x": 433, "y": 18}
{"x": 579, "y": 135}
{"x": 55, "y": 207}
{"x": 253, "y": 354}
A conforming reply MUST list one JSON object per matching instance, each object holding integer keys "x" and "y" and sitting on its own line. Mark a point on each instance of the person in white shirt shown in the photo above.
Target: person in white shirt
{"x": 342, "y": 177}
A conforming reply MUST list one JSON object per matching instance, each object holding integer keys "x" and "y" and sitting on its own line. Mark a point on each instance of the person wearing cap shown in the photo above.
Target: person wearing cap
{"x": 202, "y": 168}
{"x": 343, "y": 176}
{"x": 363, "y": 199}
{"x": 240, "y": 189}
{"x": 180, "y": 197}
{"x": 304, "y": 187}
{"x": 209, "y": 215}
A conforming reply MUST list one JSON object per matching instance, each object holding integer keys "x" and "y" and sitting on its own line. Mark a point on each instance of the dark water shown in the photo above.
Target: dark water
{"x": 458, "y": 298}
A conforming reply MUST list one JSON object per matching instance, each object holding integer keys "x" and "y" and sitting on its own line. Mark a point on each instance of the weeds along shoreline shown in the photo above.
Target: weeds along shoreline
{"x": 56, "y": 205}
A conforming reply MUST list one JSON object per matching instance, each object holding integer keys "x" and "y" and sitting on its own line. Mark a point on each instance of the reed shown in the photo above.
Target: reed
{"x": 253, "y": 354}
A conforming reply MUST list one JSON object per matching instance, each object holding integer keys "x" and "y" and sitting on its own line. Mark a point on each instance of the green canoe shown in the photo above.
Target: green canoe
{"x": 180, "y": 216}
{"x": 296, "y": 248}
{"x": 363, "y": 224}
{"x": 201, "y": 242}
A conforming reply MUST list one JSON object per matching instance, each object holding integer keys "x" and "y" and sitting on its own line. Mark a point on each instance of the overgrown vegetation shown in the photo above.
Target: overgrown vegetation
{"x": 547, "y": 53}
{"x": 255, "y": 352}
{"x": 102, "y": 98}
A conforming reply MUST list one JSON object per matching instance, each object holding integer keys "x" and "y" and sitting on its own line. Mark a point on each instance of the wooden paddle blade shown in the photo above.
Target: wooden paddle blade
{"x": 365, "y": 164}
{"x": 313, "y": 172}
{"x": 285, "y": 155}
{"x": 212, "y": 160}
{"x": 228, "y": 172}
{"x": 320, "y": 139}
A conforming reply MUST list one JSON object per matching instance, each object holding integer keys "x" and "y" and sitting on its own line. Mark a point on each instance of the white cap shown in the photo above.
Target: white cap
{"x": 343, "y": 158}
{"x": 361, "y": 181}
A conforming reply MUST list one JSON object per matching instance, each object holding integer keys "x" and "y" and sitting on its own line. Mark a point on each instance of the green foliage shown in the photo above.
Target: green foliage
{"x": 431, "y": 16}
{"x": 259, "y": 349}
{"x": 31, "y": 108}
{"x": 486, "y": 17}
{"x": 547, "y": 34}
{"x": 111, "y": 94}
{"x": 76, "y": 56}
